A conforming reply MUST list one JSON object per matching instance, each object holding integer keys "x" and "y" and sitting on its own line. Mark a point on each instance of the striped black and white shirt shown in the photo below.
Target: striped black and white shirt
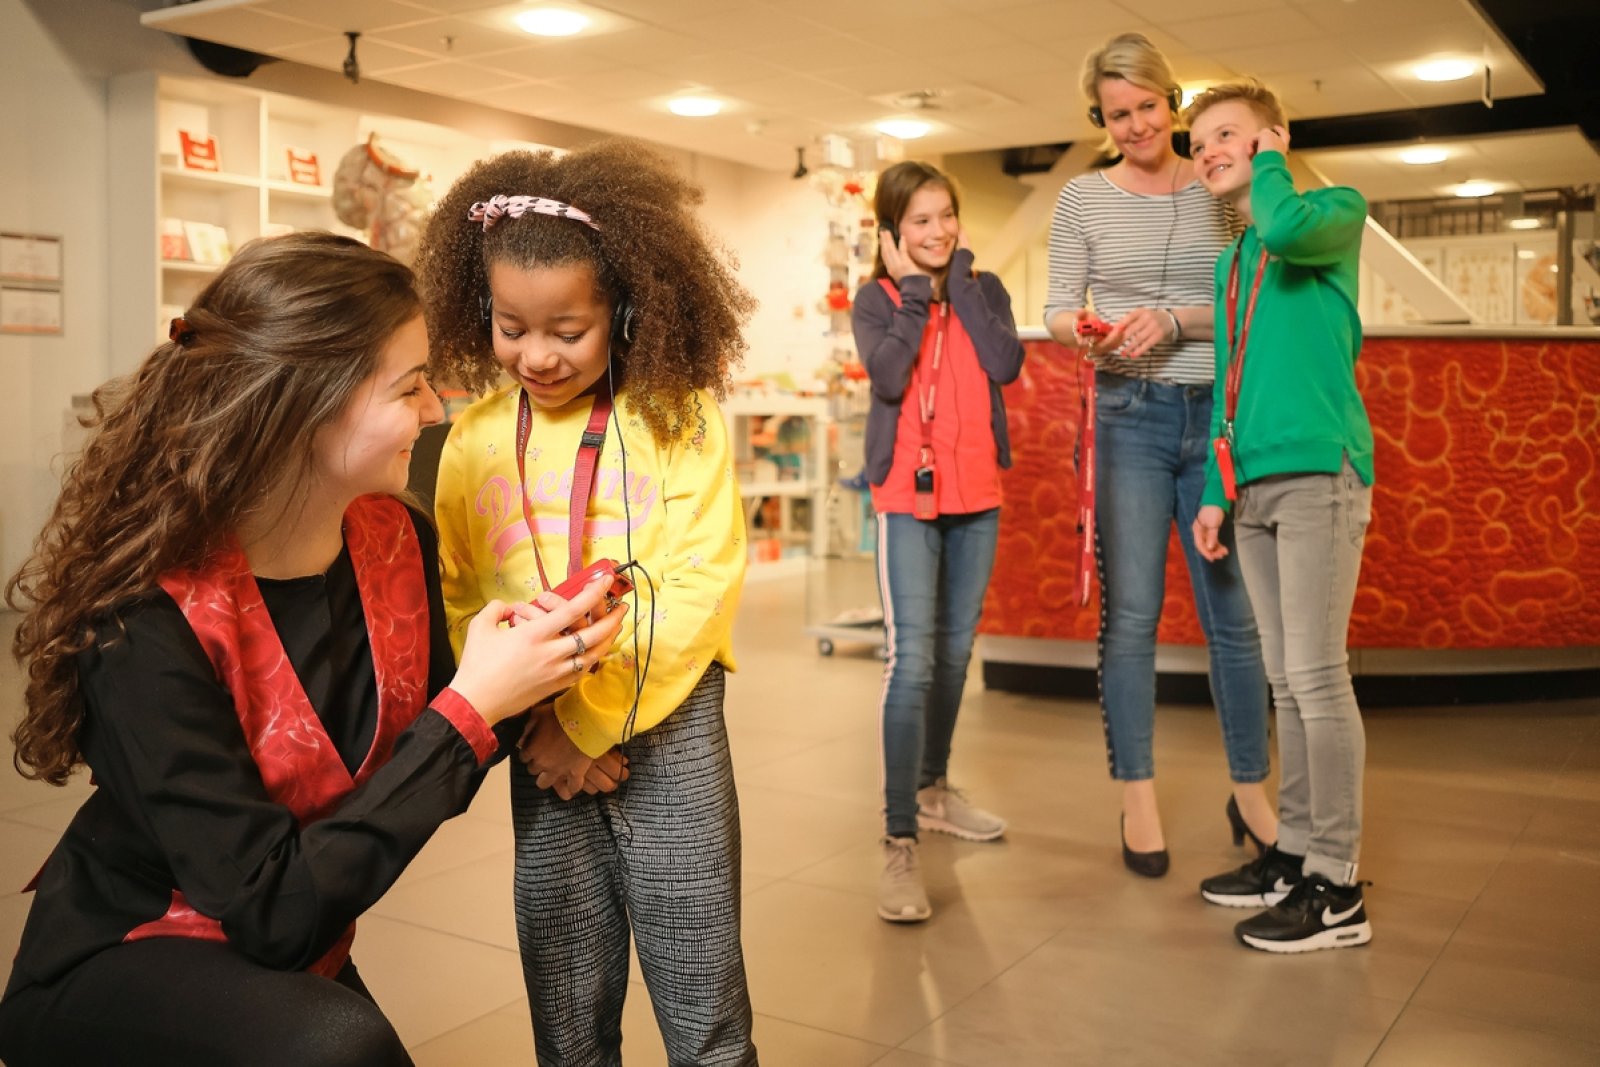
{"x": 1125, "y": 250}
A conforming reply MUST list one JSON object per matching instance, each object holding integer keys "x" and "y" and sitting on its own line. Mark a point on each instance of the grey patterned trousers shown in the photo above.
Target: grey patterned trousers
{"x": 660, "y": 857}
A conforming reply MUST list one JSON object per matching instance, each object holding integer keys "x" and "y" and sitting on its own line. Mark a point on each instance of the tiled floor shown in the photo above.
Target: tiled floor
{"x": 1483, "y": 844}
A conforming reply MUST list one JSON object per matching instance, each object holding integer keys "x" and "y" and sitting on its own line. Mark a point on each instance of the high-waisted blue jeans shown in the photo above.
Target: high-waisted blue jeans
{"x": 932, "y": 577}
{"x": 1151, "y": 441}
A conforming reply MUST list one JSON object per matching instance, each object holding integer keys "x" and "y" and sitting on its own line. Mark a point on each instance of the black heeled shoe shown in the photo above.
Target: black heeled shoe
{"x": 1241, "y": 829}
{"x": 1148, "y": 864}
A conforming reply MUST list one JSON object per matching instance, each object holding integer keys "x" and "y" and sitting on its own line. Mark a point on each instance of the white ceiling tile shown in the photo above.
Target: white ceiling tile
{"x": 981, "y": 63}
{"x": 532, "y": 98}
{"x": 616, "y": 86}
{"x": 749, "y": 27}
{"x": 789, "y": 92}
{"x": 1164, "y": 11}
{"x": 820, "y": 53}
{"x": 716, "y": 69}
{"x": 1368, "y": 16}
{"x": 374, "y": 57}
{"x": 450, "y": 78}
{"x": 448, "y": 38}
{"x": 1282, "y": 25}
{"x": 247, "y": 28}
{"x": 641, "y": 45}
{"x": 1299, "y": 57}
{"x": 550, "y": 59}
{"x": 360, "y": 15}
{"x": 1094, "y": 20}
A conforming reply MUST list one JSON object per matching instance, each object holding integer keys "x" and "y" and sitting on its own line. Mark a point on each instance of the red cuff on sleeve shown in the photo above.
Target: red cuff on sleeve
{"x": 465, "y": 718}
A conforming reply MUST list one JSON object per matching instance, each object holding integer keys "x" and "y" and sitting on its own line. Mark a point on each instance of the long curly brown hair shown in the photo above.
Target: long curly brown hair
{"x": 183, "y": 449}
{"x": 650, "y": 248}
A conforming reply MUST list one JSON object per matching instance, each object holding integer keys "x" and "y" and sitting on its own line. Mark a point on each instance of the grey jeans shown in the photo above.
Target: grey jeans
{"x": 1299, "y": 540}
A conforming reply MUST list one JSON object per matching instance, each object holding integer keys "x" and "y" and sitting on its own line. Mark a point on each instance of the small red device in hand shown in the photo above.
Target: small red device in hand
{"x": 620, "y": 586}
{"x": 1093, "y": 328}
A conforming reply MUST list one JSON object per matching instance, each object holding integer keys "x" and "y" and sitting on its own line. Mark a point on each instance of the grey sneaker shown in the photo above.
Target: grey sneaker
{"x": 946, "y": 809}
{"x": 901, "y": 898}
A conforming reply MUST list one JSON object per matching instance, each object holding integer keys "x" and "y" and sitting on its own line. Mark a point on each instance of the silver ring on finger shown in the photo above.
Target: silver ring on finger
{"x": 577, "y": 639}
{"x": 577, "y": 665}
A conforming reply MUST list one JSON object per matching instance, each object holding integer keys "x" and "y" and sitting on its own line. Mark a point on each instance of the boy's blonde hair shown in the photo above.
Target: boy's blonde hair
{"x": 1263, "y": 101}
{"x": 1131, "y": 57}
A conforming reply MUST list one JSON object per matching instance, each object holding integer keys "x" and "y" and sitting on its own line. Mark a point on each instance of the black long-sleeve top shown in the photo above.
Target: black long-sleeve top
{"x": 179, "y": 803}
{"x": 889, "y": 339}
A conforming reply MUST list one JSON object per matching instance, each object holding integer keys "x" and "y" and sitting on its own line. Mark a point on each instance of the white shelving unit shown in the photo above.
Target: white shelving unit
{"x": 250, "y": 195}
{"x": 809, "y": 483}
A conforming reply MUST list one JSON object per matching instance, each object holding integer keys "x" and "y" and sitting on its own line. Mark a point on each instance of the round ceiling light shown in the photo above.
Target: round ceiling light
{"x": 1474, "y": 189}
{"x": 552, "y": 22}
{"x": 694, "y": 107}
{"x": 1423, "y": 154}
{"x": 1445, "y": 70}
{"x": 905, "y": 129}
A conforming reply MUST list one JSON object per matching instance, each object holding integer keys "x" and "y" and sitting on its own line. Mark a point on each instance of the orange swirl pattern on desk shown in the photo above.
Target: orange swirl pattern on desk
{"x": 1486, "y": 515}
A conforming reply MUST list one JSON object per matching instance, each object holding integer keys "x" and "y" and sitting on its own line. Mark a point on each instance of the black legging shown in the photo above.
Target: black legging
{"x": 172, "y": 1000}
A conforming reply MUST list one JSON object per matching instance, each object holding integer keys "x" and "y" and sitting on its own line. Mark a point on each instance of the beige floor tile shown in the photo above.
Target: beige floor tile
{"x": 500, "y": 1037}
{"x": 824, "y": 959}
{"x": 472, "y": 901}
{"x": 1426, "y": 1038}
{"x": 1071, "y": 1003}
{"x": 787, "y": 832}
{"x": 54, "y": 813}
{"x": 430, "y": 983}
{"x": 493, "y": 802}
{"x": 902, "y": 1058}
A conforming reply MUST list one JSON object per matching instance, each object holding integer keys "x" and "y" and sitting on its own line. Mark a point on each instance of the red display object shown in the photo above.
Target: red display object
{"x": 199, "y": 153}
{"x": 303, "y": 167}
{"x": 1486, "y": 513}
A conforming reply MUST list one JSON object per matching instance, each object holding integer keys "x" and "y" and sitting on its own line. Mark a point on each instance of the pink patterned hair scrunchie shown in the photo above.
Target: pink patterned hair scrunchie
{"x": 492, "y": 210}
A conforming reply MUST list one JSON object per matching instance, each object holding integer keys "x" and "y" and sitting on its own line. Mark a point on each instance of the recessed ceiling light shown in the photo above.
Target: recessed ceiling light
{"x": 552, "y": 21}
{"x": 1474, "y": 189}
{"x": 1445, "y": 70}
{"x": 905, "y": 129}
{"x": 1525, "y": 223}
{"x": 1423, "y": 154}
{"x": 694, "y": 107}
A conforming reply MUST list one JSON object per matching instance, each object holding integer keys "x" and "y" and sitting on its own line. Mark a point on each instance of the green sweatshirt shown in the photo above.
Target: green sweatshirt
{"x": 1299, "y": 411}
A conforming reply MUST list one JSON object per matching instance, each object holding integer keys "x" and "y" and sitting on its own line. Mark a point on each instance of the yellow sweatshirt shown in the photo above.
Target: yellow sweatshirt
{"x": 687, "y": 526}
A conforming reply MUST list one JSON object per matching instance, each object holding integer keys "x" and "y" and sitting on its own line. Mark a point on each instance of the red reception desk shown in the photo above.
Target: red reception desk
{"x": 1483, "y": 557}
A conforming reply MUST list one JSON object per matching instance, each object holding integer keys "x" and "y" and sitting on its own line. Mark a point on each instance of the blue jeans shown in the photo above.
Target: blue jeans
{"x": 1151, "y": 441}
{"x": 932, "y": 577}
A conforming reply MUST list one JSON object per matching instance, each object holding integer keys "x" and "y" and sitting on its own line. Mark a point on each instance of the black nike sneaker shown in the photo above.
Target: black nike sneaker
{"x": 1316, "y": 914}
{"x": 1261, "y": 883}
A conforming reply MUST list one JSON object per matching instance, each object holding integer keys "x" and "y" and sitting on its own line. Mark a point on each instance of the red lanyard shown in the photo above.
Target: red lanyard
{"x": 1086, "y": 459}
{"x": 583, "y": 469}
{"x": 1236, "y": 352}
{"x": 926, "y": 399}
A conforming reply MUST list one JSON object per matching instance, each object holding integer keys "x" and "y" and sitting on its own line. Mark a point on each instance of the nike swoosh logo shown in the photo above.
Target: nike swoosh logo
{"x": 1282, "y": 886}
{"x": 1334, "y": 918}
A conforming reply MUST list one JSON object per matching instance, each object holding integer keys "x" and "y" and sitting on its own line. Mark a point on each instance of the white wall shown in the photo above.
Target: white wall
{"x": 53, "y": 174}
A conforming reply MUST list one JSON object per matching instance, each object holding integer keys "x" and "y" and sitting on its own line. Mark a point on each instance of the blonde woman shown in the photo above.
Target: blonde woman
{"x": 1138, "y": 240}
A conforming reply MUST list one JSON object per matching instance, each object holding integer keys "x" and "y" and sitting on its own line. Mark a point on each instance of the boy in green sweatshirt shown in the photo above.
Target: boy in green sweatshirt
{"x": 1292, "y": 457}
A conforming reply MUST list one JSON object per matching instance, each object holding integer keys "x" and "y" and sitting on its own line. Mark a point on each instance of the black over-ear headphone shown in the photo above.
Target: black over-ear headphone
{"x": 1174, "y": 101}
{"x": 624, "y": 320}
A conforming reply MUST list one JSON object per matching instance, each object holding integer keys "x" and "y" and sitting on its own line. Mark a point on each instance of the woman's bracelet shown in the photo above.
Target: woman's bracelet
{"x": 1177, "y": 327}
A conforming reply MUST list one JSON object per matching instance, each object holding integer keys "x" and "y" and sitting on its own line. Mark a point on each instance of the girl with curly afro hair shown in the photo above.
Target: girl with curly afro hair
{"x": 588, "y": 281}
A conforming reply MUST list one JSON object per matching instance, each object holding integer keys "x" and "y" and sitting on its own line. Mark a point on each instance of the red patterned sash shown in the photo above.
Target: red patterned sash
{"x": 299, "y": 763}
